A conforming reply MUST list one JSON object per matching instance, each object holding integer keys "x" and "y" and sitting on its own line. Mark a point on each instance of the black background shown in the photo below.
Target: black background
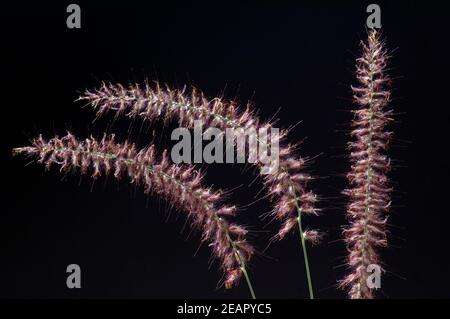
{"x": 297, "y": 56}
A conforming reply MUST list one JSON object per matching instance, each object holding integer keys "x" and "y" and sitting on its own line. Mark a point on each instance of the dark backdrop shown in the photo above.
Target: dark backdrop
{"x": 295, "y": 56}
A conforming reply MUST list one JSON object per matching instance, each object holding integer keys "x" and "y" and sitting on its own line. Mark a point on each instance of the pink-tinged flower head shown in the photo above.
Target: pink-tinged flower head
{"x": 179, "y": 185}
{"x": 369, "y": 189}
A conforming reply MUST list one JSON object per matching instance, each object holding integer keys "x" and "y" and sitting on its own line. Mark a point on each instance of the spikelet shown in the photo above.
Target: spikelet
{"x": 287, "y": 186}
{"x": 179, "y": 185}
{"x": 369, "y": 190}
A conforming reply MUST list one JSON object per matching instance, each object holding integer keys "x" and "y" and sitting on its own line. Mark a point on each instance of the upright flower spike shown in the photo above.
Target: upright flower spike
{"x": 287, "y": 186}
{"x": 179, "y": 185}
{"x": 369, "y": 189}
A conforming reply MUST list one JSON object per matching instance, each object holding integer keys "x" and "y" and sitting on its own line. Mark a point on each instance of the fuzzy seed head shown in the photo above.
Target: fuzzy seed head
{"x": 369, "y": 190}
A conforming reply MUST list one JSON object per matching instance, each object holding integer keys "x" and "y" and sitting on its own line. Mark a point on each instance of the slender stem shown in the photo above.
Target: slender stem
{"x": 302, "y": 240}
{"x": 249, "y": 283}
{"x": 305, "y": 253}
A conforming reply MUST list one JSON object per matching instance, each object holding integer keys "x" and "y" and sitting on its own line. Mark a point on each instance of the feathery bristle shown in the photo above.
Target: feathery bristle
{"x": 179, "y": 185}
{"x": 369, "y": 190}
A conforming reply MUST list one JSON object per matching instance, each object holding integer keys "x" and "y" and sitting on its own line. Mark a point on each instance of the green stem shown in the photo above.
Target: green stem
{"x": 249, "y": 283}
{"x": 305, "y": 253}
{"x": 302, "y": 239}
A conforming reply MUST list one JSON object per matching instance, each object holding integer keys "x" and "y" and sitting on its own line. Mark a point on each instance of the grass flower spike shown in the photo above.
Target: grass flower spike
{"x": 287, "y": 186}
{"x": 369, "y": 189}
{"x": 179, "y": 185}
